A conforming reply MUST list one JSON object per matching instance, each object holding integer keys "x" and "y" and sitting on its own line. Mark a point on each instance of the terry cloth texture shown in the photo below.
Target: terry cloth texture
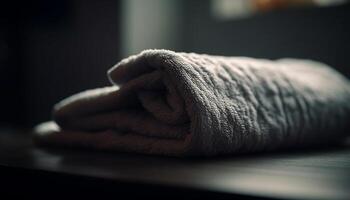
{"x": 163, "y": 102}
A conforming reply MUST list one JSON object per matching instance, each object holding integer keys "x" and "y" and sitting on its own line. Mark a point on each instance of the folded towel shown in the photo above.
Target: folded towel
{"x": 163, "y": 102}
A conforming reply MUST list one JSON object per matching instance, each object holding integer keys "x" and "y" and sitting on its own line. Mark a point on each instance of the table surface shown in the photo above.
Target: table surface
{"x": 308, "y": 174}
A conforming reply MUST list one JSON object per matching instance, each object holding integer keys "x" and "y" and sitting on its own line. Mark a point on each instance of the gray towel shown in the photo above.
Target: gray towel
{"x": 162, "y": 102}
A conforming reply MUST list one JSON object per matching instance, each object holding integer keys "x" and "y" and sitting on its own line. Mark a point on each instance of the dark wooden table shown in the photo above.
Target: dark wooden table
{"x": 26, "y": 170}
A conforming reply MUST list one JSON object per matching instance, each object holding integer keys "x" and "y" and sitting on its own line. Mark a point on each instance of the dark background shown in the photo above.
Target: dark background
{"x": 52, "y": 49}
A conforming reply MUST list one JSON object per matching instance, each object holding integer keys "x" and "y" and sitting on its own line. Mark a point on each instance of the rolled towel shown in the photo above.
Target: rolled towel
{"x": 163, "y": 102}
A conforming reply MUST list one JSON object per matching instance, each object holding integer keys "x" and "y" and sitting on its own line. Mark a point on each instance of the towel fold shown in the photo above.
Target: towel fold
{"x": 162, "y": 102}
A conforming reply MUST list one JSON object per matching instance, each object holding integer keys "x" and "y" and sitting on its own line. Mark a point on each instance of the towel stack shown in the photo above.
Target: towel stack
{"x": 163, "y": 102}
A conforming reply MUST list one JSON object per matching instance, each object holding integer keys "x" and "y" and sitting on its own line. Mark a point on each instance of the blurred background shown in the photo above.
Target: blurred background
{"x": 52, "y": 49}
